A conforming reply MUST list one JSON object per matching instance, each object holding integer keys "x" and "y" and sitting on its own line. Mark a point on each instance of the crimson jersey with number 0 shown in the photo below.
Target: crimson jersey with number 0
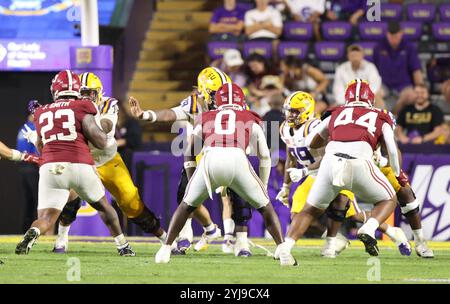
{"x": 227, "y": 127}
{"x": 60, "y": 126}
{"x": 357, "y": 124}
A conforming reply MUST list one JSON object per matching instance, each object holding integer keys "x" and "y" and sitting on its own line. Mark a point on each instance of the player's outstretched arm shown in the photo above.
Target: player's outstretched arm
{"x": 166, "y": 115}
{"x": 93, "y": 132}
{"x": 391, "y": 147}
{"x": 14, "y": 155}
{"x": 5, "y": 152}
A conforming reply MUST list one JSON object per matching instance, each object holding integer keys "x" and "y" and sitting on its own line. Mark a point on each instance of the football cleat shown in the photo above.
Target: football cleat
{"x": 423, "y": 250}
{"x": 341, "y": 243}
{"x": 183, "y": 245}
{"x": 370, "y": 243}
{"x": 228, "y": 246}
{"x": 329, "y": 248}
{"x": 28, "y": 241}
{"x": 207, "y": 238}
{"x": 242, "y": 249}
{"x": 285, "y": 256}
{"x": 163, "y": 255}
{"x": 126, "y": 251}
{"x": 401, "y": 241}
{"x": 61, "y": 245}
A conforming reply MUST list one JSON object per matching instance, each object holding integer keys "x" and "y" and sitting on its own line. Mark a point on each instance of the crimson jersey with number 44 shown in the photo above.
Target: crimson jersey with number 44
{"x": 60, "y": 126}
{"x": 227, "y": 127}
{"x": 357, "y": 124}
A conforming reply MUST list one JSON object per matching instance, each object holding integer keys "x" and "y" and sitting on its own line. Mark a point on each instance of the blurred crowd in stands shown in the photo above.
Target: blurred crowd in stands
{"x": 275, "y": 47}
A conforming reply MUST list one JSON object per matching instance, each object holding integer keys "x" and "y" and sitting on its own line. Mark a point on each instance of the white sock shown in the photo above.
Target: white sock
{"x": 390, "y": 233}
{"x": 418, "y": 235}
{"x": 37, "y": 230}
{"x": 289, "y": 243}
{"x": 370, "y": 226}
{"x": 241, "y": 236}
{"x": 120, "y": 241}
{"x": 210, "y": 228}
{"x": 63, "y": 231}
{"x": 228, "y": 227}
{"x": 163, "y": 237}
{"x": 186, "y": 231}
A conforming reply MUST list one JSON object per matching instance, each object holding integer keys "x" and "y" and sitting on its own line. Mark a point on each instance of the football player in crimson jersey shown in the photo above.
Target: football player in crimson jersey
{"x": 224, "y": 134}
{"x": 354, "y": 131}
{"x": 209, "y": 81}
{"x": 64, "y": 128}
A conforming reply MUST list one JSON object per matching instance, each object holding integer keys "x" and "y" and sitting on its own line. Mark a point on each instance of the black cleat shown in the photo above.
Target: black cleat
{"x": 370, "y": 243}
{"x": 126, "y": 251}
{"x": 27, "y": 242}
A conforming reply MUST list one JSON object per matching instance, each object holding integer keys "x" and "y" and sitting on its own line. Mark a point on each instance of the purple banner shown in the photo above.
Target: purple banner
{"x": 430, "y": 178}
{"x": 35, "y": 55}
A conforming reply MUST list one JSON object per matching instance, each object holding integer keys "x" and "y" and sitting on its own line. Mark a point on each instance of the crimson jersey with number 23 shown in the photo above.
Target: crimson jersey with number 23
{"x": 357, "y": 124}
{"x": 228, "y": 127}
{"x": 60, "y": 126}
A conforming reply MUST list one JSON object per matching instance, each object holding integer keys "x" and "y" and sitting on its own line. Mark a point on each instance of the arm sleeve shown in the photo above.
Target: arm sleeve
{"x": 215, "y": 16}
{"x": 401, "y": 118}
{"x": 388, "y": 135}
{"x": 413, "y": 59}
{"x": 374, "y": 78}
{"x": 321, "y": 130}
{"x": 187, "y": 108}
{"x": 248, "y": 19}
{"x": 277, "y": 20}
{"x": 263, "y": 153}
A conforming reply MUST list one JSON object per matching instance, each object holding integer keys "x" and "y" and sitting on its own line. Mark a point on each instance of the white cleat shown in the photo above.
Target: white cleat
{"x": 328, "y": 250}
{"x": 207, "y": 237}
{"x": 341, "y": 243}
{"x": 423, "y": 251}
{"x": 163, "y": 255}
{"x": 228, "y": 246}
{"x": 61, "y": 245}
{"x": 286, "y": 258}
{"x": 242, "y": 249}
{"x": 400, "y": 239}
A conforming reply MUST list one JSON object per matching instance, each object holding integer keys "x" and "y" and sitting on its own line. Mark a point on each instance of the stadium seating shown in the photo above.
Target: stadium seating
{"x": 391, "y": 12}
{"x": 371, "y": 31}
{"x": 217, "y": 48}
{"x": 298, "y": 31}
{"x": 412, "y": 30}
{"x": 263, "y": 48}
{"x": 368, "y": 47}
{"x": 422, "y": 12}
{"x": 336, "y": 31}
{"x": 441, "y": 31}
{"x": 444, "y": 12}
{"x": 329, "y": 50}
{"x": 292, "y": 48}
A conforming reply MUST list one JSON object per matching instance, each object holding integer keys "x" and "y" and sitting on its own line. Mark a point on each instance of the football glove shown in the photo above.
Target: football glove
{"x": 403, "y": 178}
{"x": 297, "y": 174}
{"x": 379, "y": 160}
{"x": 283, "y": 195}
{"x": 30, "y": 135}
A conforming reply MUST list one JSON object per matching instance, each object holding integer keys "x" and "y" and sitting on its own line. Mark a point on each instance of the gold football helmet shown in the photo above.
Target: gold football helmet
{"x": 92, "y": 87}
{"x": 299, "y": 108}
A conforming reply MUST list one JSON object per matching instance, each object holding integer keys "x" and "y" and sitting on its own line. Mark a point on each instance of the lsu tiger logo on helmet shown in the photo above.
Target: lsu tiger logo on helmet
{"x": 299, "y": 108}
{"x": 209, "y": 81}
{"x": 91, "y": 87}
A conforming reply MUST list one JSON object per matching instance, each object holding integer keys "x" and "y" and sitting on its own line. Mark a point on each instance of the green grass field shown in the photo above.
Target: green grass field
{"x": 100, "y": 264}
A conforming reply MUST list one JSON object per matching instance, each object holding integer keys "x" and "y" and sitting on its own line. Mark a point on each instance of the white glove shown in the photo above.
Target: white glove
{"x": 297, "y": 174}
{"x": 30, "y": 135}
{"x": 283, "y": 195}
{"x": 379, "y": 159}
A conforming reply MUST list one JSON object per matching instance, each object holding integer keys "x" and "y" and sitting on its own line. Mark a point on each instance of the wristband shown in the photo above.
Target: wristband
{"x": 146, "y": 116}
{"x": 286, "y": 185}
{"x": 190, "y": 164}
{"x": 16, "y": 155}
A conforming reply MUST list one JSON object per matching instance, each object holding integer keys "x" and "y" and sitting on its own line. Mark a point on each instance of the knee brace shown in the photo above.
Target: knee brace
{"x": 336, "y": 214}
{"x": 69, "y": 213}
{"x": 182, "y": 186}
{"x": 242, "y": 211}
{"x": 147, "y": 221}
{"x": 410, "y": 208}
